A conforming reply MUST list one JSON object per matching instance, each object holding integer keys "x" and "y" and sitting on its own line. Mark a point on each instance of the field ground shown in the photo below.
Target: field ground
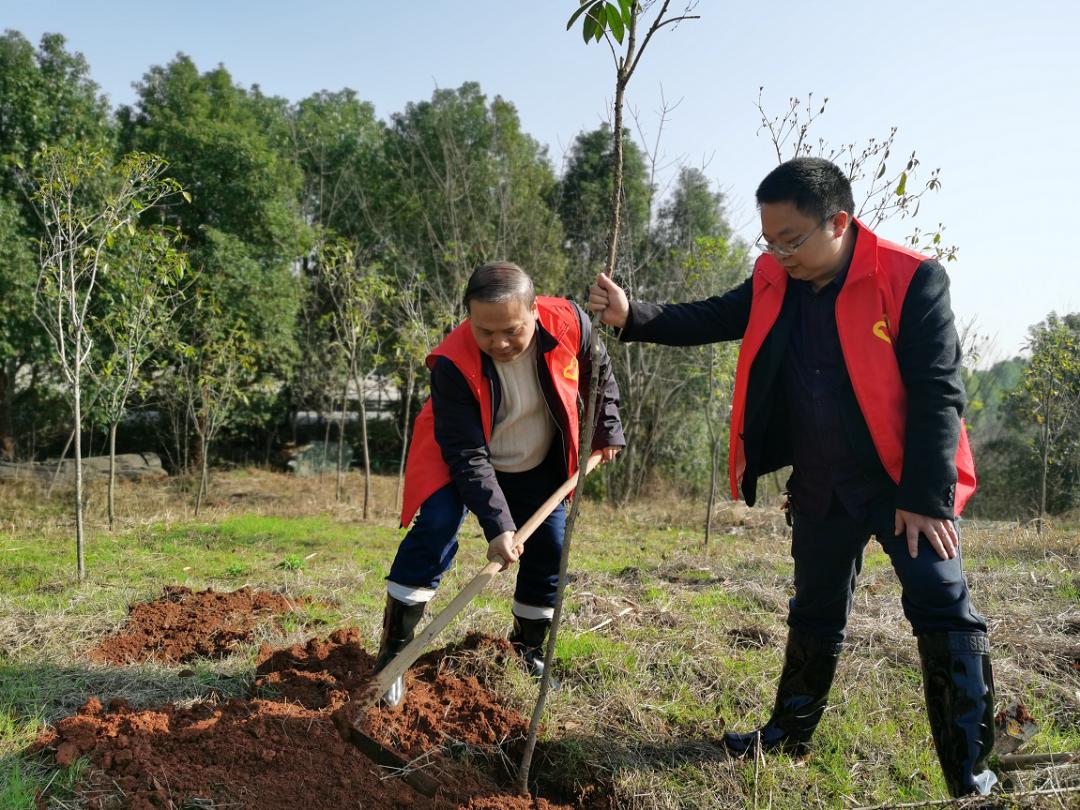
{"x": 665, "y": 644}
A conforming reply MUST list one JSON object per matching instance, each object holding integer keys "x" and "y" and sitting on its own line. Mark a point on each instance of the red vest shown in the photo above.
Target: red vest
{"x": 425, "y": 470}
{"x": 868, "y": 321}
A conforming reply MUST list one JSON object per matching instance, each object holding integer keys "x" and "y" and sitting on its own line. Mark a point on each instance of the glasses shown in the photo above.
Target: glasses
{"x": 790, "y": 249}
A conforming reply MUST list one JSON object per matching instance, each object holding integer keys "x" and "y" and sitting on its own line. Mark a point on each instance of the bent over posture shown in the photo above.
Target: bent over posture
{"x": 497, "y": 437}
{"x": 849, "y": 371}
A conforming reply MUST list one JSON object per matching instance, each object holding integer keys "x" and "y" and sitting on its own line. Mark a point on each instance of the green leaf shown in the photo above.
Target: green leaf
{"x": 627, "y": 11}
{"x": 581, "y": 10}
{"x": 901, "y": 187}
{"x": 615, "y": 22}
{"x": 588, "y": 30}
{"x": 187, "y": 195}
{"x": 131, "y": 228}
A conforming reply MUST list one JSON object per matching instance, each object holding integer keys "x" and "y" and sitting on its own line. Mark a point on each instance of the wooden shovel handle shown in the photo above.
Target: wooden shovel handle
{"x": 408, "y": 655}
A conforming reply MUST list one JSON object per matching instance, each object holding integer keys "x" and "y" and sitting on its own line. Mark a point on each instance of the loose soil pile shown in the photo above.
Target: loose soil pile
{"x": 282, "y": 748}
{"x": 183, "y": 625}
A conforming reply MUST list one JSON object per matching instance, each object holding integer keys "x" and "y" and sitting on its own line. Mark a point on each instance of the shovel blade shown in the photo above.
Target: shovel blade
{"x": 1014, "y": 726}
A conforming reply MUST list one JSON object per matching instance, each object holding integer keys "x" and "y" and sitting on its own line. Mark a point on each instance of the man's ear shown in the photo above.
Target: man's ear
{"x": 841, "y": 221}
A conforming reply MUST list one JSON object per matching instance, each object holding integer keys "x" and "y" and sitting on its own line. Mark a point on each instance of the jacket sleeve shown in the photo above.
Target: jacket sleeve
{"x": 928, "y": 352}
{"x": 609, "y": 430}
{"x": 722, "y": 317}
{"x": 460, "y": 437}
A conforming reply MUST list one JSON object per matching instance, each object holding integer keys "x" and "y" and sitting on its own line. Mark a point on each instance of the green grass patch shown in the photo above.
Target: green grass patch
{"x": 590, "y": 655}
{"x": 716, "y": 597}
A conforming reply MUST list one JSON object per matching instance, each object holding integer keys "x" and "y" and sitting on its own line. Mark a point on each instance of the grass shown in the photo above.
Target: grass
{"x": 666, "y": 643}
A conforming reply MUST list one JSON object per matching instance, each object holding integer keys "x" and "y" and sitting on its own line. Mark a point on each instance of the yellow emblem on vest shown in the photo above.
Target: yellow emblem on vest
{"x": 571, "y": 371}
{"x": 881, "y": 330}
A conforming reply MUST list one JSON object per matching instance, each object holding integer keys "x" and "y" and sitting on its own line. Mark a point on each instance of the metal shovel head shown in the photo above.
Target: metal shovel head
{"x": 1014, "y": 726}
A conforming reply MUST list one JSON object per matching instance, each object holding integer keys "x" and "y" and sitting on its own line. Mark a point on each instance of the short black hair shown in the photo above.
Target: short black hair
{"x": 817, "y": 187}
{"x": 498, "y": 283}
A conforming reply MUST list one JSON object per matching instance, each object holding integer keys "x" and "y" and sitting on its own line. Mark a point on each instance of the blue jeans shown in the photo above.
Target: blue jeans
{"x": 428, "y": 549}
{"x": 828, "y": 556}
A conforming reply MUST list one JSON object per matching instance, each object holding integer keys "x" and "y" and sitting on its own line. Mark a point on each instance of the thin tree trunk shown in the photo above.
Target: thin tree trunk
{"x": 404, "y": 437}
{"x": 326, "y": 442}
{"x": 60, "y": 463}
{"x": 7, "y": 429}
{"x": 80, "y": 551}
{"x": 364, "y": 442}
{"x": 713, "y": 443}
{"x": 341, "y": 441}
{"x": 186, "y": 438}
{"x": 714, "y": 463}
{"x": 198, "y": 451}
{"x": 204, "y": 478}
{"x": 112, "y": 475}
{"x": 1045, "y": 467}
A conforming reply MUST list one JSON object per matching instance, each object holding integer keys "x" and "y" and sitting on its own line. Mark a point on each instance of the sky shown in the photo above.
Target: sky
{"x": 988, "y": 92}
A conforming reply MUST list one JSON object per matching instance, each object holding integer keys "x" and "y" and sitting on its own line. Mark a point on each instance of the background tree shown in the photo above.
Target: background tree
{"x": 356, "y": 291}
{"x": 665, "y": 389}
{"x": 80, "y": 229}
{"x": 138, "y": 299}
{"x": 46, "y": 98}
{"x": 463, "y": 185}
{"x": 583, "y": 197}
{"x": 1049, "y": 398}
{"x": 214, "y": 373}
{"x": 232, "y": 149}
{"x": 414, "y": 341}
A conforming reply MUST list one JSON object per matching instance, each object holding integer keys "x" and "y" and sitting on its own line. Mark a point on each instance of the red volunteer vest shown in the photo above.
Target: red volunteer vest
{"x": 868, "y": 321}
{"x": 425, "y": 470}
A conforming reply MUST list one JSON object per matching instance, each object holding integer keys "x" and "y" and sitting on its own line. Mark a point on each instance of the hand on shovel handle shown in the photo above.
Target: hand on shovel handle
{"x": 505, "y": 549}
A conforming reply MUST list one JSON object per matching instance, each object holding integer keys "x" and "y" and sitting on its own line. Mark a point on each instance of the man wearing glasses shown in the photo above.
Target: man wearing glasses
{"x": 849, "y": 372}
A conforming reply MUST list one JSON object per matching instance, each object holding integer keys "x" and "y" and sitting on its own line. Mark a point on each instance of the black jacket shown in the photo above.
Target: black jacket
{"x": 928, "y": 353}
{"x": 460, "y": 434}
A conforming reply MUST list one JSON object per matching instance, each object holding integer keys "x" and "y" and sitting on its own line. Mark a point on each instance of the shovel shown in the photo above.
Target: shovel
{"x": 408, "y": 655}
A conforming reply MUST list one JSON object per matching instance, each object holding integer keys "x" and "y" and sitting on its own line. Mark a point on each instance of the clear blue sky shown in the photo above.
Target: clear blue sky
{"x": 989, "y": 92}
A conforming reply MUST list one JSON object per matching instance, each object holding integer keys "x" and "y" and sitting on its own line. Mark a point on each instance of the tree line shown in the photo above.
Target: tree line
{"x": 266, "y": 257}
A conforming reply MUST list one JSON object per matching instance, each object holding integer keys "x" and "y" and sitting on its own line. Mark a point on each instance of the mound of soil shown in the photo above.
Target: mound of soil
{"x": 183, "y": 625}
{"x": 280, "y": 748}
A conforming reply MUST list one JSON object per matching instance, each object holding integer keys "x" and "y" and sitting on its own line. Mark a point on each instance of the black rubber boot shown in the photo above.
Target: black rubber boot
{"x": 809, "y": 667}
{"x": 528, "y": 638}
{"x": 958, "y": 681}
{"x": 399, "y": 624}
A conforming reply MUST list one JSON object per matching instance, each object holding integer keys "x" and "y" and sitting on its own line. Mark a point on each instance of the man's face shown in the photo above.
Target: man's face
{"x": 818, "y": 244}
{"x": 503, "y": 331}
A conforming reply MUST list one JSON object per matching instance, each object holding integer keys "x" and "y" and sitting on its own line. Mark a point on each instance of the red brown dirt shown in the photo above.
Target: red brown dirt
{"x": 184, "y": 625}
{"x": 280, "y": 748}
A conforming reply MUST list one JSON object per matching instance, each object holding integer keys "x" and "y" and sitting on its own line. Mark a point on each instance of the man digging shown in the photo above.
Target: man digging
{"x": 497, "y": 437}
{"x": 849, "y": 371}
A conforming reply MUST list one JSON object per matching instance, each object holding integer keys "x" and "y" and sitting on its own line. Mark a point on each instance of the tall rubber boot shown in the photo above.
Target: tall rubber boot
{"x": 399, "y": 624}
{"x": 958, "y": 681}
{"x": 528, "y": 638}
{"x": 809, "y": 667}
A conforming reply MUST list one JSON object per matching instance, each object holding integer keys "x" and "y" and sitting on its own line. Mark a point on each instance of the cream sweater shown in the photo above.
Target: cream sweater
{"x": 523, "y": 429}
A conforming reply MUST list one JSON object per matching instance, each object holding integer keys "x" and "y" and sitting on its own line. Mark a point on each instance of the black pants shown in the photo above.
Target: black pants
{"x": 828, "y": 556}
{"x": 428, "y": 549}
